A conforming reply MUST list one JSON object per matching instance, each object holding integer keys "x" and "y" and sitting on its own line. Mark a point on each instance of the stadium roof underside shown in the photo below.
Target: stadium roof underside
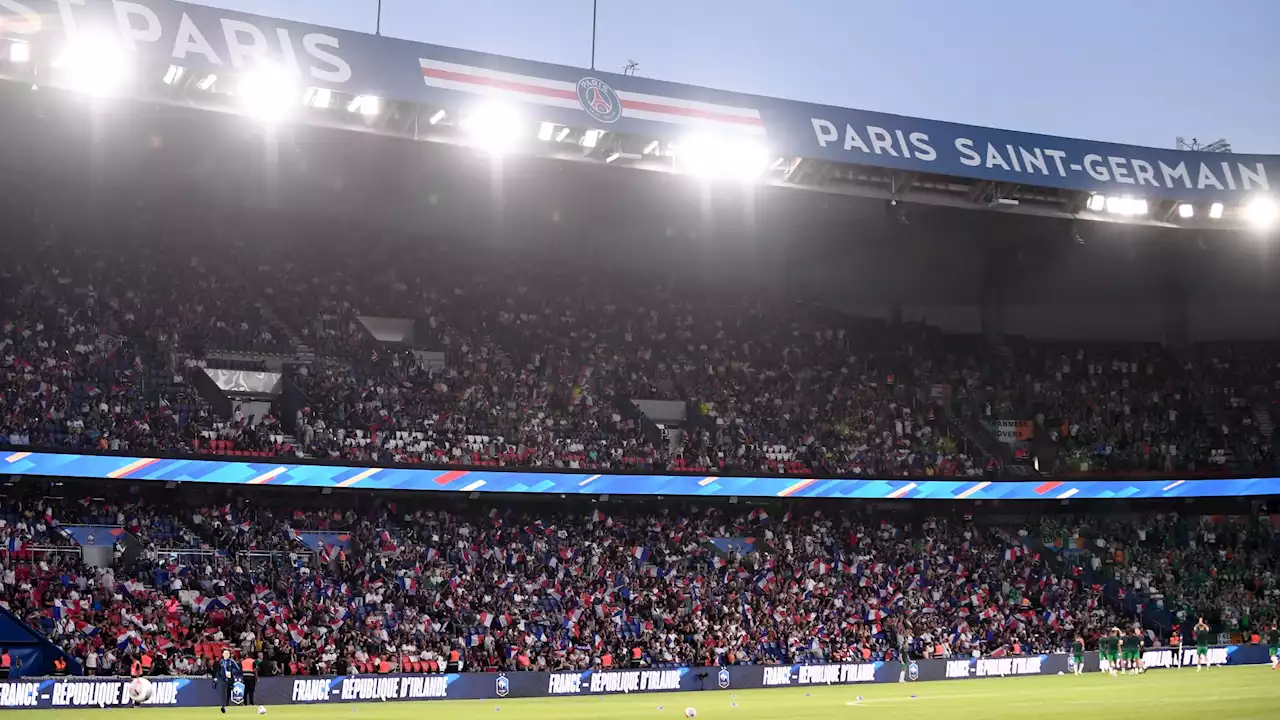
{"x": 164, "y": 51}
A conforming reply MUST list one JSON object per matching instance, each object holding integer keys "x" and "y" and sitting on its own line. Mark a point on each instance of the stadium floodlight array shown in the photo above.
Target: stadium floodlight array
{"x": 367, "y": 105}
{"x": 1262, "y": 212}
{"x": 94, "y": 65}
{"x": 19, "y": 52}
{"x": 724, "y": 157}
{"x": 1125, "y": 205}
{"x": 268, "y": 93}
{"x": 174, "y": 74}
{"x": 1215, "y": 211}
{"x": 319, "y": 98}
{"x": 1186, "y": 211}
{"x": 496, "y": 127}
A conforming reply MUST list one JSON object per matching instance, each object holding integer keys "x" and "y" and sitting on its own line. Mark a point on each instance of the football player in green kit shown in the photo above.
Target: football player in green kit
{"x": 1111, "y": 649}
{"x": 1135, "y": 659}
{"x": 1273, "y": 646}
{"x": 1077, "y": 655}
{"x": 1202, "y": 645}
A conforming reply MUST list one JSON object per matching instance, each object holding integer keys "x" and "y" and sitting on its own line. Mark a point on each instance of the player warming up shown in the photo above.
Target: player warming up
{"x": 1110, "y": 644}
{"x": 1077, "y": 655}
{"x": 1202, "y": 645}
{"x": 228, "y": 674}
{"x": 1273, "y": 646}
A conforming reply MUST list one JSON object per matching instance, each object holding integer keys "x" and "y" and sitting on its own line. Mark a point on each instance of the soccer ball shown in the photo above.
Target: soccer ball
{"x": 140, "y": 690}
{"x": 690, "y": 712}
{"x": 262, "y": 709}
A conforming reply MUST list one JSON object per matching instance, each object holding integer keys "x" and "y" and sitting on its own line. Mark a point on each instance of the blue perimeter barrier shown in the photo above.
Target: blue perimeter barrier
{"x": 275, "y": 691}
{"x": 19, "y": 462}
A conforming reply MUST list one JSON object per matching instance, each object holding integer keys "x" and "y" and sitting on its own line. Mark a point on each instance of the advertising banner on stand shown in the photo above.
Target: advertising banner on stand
{"x": 275, "y": 691}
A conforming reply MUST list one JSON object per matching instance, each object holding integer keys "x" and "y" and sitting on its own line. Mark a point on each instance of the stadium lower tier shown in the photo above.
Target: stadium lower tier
{"x": 115, "y": 573}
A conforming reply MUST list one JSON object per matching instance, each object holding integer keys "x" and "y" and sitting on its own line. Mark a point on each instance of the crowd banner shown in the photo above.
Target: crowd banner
{"x": 276, "y": 691}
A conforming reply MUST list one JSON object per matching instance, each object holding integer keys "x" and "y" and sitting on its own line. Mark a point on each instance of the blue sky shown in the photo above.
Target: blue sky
{"x": 1133, "y": 71}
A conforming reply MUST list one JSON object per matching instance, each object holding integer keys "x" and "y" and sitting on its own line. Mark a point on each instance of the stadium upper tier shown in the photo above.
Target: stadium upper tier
{"x": 343, "y": 583}
{"x": 117, "y": 317}
{"x": 275, "y": 70}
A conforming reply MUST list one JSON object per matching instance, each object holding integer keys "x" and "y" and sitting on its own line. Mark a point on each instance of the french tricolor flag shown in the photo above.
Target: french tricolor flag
{"x": 227, "y": 600}
{"x": 13, "y": 545}
{"x": 203, "y": 604}
{"x": 486, "y": 619}
{"x": 873, "y": 615}
{"x": 408, "y": 583}
{"x": 432, "y": 554}
{"x": 640, "y": 554}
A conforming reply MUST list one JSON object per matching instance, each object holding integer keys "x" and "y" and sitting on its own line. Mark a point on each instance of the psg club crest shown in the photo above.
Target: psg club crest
{"x": 723, "y": 678}
{"x": 503, "y": 686}
{"x": 237, "y": 693}
{"x": 599, "y": 100}
{"x": 913, "y": 671}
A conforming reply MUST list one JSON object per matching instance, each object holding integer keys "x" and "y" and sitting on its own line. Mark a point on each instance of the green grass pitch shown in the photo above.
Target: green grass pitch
{"x": 1181, "y": 694}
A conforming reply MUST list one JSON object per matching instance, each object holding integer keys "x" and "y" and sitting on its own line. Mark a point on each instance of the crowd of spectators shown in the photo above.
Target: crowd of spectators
{"x": 536, "y": 357}
{"x": 1182, "y": 567}
{"x": 521, "y": 587}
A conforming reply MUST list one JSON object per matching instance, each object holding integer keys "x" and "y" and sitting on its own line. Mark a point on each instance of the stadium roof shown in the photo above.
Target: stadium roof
{"x": 186, "y": 54}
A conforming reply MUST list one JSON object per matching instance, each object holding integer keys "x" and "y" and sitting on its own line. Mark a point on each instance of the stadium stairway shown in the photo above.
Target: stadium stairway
{"x": 1266, "y": 426}
{"x": 301, "y": 350}
{"x": 30, "y": 647}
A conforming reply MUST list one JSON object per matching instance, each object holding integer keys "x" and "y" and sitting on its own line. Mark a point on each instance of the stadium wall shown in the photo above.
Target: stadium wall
{"x": 276, "y": 691}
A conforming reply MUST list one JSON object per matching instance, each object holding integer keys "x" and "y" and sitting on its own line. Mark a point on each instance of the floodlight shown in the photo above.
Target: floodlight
{"x": 737, "y": 158}
{"x": 496, "y": 127}
{"x": 173, "y": 75}
{"x": 318, "y": 98}
{"x": 591, "y": 138}
{"x": 564, "y": 133}
{"x": 1097, "y": 203}
{"x": 1118, "y": 205}
{"x": 1262, "y": 212}
{"x": 19, "y": 52}
{"x": 1215, "y": 211}
{"x": 437, "y": 117}
{"x": 366, "y": 105}
{"x": 545, "y": 131}
{"x": 1186, "y": 211}
{"x": 652, "y": 148}
{"x": 93, "y": 64}
{"x": 205, "y": 84}
{"x": 269, "y": 93}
